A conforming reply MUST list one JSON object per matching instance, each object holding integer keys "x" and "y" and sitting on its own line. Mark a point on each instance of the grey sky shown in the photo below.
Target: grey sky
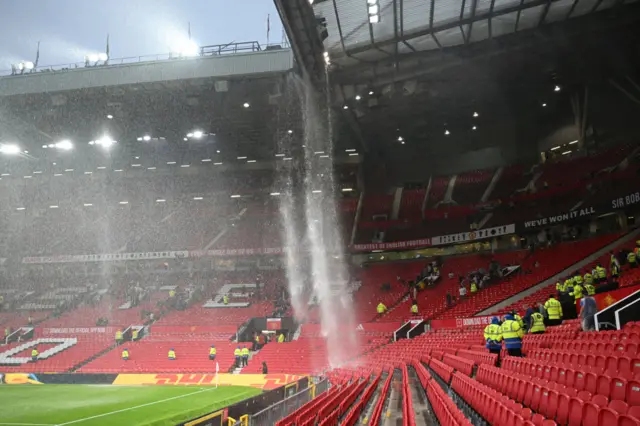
{"x": 70, "y": 29}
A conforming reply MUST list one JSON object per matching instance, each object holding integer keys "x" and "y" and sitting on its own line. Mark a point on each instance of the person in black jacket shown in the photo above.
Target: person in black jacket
{"x": 264, "y": 367}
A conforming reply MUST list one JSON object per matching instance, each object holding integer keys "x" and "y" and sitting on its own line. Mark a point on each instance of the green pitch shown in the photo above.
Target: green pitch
{"x": 92, "y": 405}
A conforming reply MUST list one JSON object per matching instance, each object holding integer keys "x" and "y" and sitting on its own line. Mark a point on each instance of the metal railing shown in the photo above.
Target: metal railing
{"x": 270, "y": 415}
{"x": 212, "y": 50}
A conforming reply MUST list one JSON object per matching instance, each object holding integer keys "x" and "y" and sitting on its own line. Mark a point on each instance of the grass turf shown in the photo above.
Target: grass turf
{"x": 91, "y": 405}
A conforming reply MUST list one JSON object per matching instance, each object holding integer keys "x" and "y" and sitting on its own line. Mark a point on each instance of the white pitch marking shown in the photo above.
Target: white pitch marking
{"x": 131, "y": 408}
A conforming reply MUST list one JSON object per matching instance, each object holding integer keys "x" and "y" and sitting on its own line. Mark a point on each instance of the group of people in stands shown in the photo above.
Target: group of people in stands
{"x": 578, "y": 288}
{"x": 513, "y": 327}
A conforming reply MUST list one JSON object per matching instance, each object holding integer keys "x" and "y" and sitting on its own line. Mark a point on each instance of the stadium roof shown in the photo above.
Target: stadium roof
{"x": 409, "y": 26}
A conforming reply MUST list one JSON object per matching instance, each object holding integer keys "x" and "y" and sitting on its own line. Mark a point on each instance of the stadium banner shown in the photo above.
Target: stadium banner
{"x": 396, "y": 245}
{"x": 460, "y": 322}
{"x": 259, "y": 381}
{"x": 78, "y": 330}
{"x": 274, "y": 323}
{"x": 183, "y": 329}
{"x": 560, "y": 218}
{"x": 109, "y": 257}
{"x": 617, "y": 203}
{"x": 480, "y": 234}
{"x": 608, "y": 298}
{"x": 237, "y": 252}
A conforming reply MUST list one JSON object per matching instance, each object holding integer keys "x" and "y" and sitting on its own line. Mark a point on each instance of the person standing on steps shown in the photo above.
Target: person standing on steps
{"x": 493, "y": 336}
{"x": 512, "y": 334}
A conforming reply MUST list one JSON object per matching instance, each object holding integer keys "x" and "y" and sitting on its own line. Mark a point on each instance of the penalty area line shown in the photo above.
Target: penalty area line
{"x": 130, "y": 408}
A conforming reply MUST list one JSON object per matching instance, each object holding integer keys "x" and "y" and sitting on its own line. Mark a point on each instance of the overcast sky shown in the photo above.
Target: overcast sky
{"x": 70, "y": 29}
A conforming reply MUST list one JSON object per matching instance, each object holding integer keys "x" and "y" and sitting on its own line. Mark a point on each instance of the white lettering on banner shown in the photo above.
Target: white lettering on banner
{"x": 78, "y": 330}
{"x": 563, "y": 217}
{"x": 480, "y": 234}
{"x": 625, "y": 201}
{"x": 392, "y": 245}
{"x": 120, "y": 257}
{"x": 465, "y": 322}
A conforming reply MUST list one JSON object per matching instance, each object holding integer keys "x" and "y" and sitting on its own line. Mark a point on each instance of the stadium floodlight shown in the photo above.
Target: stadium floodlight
{"x": 347, "y": 189}
{"x": 87, "y": 204}
{"x": 217, "y": 164}
{"x": 106, "y": 142}
{"x": 28, "y": 65}
{"x": 151, "y": 168}
{"x": 345, "y": 107}
{"x": 556, "y": 89}
{"x": 275, "y": 194}
{"x": 198, "y": 134}
{"x": 555, "y": 148}
{"x": 57, "y": 174}
{"x": 573, "y": 142}
{"x": 189, "y": 135}
{"x": 206, "y": 160}
{"x": 197, "y": 198}
{"x": 188, "y": 49}
{"x": 68, "y": 170}
{"x": 124, "y": 202}
{"x": 110, "y": 117}
{"x": 350, "y": 150}
{"x": 447, "y": 133}
{"x": 217, "y": 151}
{"x": 317, "y": 191}
{"x": 251, "y": 161}
{"x": 64, "y": 145}
{"x": 290, "y": 131}
{"x": 94, "y": 57}
{"x": 160, "y": 200}
{"x": 324, "y": 156}
{"x": 146, "y": 138}
{"x": 287, "y": 159}
{"x": 136, "y": 165}
{"x": 246, "y": 105}
{"x": 475, "y": 114}
{"x": 185, "y": 165}
{"x": 279, "y": 155}
{"x": 242, "y": 158}
{"x": 358, "y": 97}
{"x": 353, "y": 154}
{"x": 544, "y": 105}
{"x": 235, "y": 196}
{"x": 10, "y": 149}
{"x": 185, "y": 139}
{"x": 103, "y": 57}
{"x": 170, "y": 163}
{"x": 474, "y": 128}
{"x": 566, "y": 152}
{"x": 327, "y": 59}
{"x": 53, "y": 207}
{"x": 400, "y": 139}
{"x": 20, "y": 208}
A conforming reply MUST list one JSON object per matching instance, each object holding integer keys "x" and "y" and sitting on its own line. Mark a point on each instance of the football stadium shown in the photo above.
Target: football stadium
{"x": 405, "y": 212}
